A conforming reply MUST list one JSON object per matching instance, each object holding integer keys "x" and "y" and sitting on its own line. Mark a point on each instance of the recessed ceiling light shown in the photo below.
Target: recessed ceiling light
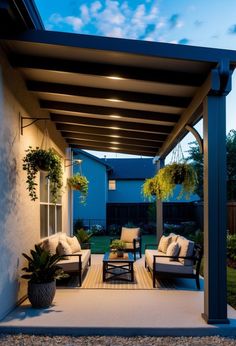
{"x": 114, "y": 100}
{"x": 114, "y": 128}
{"x": 114, "y": 148}
{"x": 115, "y": 136}
{"x": 115, "y": 116}
{"x": 115, "y": 77}
{"x": 114, "y": 142}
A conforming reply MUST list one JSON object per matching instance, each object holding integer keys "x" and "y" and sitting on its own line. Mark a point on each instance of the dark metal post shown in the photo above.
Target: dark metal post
{"x": 159, "y": 208}
{"x": 215, "y": 288}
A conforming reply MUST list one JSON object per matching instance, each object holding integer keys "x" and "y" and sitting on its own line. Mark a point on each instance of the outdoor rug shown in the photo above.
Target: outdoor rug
{"x": 142, "y": 280}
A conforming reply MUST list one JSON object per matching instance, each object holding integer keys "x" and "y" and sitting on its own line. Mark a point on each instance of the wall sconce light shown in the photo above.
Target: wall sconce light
{"x": 73, "y": 162}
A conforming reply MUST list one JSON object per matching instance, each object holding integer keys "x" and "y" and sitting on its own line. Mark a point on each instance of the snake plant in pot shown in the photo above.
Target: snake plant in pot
{"x": 47, "y": 160}
{"x": 41, "y": 273}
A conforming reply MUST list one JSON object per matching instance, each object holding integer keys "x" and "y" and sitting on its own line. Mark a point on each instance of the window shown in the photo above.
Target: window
{"x": 112, "y": 185}
{"x": 50, "y": 213}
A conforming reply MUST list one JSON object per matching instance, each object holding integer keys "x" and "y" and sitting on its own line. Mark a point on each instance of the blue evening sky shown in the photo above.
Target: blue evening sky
{"x": 209, "y": 23}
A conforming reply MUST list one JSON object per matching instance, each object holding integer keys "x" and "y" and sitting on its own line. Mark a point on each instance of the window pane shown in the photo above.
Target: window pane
{"x": 59, "y": 219}
{"x": 43, "y": 221}
{"x": 51, "y": 199}
{"x": 112, "y": 185}
{"x": 51, "y": 219}
{"x": 43, "y": 187}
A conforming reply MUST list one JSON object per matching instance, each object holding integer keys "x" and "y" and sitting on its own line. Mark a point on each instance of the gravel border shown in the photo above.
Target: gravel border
{"x": 36, "y": 340}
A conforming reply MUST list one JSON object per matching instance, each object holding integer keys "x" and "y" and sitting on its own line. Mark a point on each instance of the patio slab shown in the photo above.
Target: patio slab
{"x": 118, "y": 312}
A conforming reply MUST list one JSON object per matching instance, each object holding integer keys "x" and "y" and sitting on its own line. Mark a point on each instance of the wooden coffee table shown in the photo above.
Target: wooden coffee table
{"x": 118, "y": 268}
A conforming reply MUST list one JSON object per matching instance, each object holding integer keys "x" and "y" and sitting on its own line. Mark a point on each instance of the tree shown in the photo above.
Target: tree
{"x": 196, "y": 158}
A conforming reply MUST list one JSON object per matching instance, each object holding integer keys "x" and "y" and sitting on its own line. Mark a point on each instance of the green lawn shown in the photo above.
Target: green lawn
{"x": 100, "y": 244}
{"x": 231, "y": 286}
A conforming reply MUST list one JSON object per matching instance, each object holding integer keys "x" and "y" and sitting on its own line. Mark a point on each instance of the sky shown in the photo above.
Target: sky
{"x": 207, "y": 23}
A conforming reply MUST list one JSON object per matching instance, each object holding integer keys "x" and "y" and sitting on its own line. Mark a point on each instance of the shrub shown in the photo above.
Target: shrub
{"x": 231, "y": 247}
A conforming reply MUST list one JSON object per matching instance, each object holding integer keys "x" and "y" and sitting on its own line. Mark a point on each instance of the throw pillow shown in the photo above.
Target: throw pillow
{"x": 64, "y": 248}
{"x": 173, "y": 250}
{"x": 74, "y": 244}
{"x": 173, "y": 236}
{"x": 128, "y": 234}
{"x": 164, "y": 243}
{"x": 186, "y": 249}
{"x": 50, "y": 245}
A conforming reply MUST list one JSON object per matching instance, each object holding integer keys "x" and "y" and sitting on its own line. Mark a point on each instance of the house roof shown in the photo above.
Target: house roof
{"x": 114, "y": 94}
{"x": 78, "y": 152}
{"x": 133, "y": 169}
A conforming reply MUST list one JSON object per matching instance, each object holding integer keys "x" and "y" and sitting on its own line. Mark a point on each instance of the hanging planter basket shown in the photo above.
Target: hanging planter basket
{"x": 176, "y": 174}
{"x": 80, "y": 183}
{"x": 47, "y": 160}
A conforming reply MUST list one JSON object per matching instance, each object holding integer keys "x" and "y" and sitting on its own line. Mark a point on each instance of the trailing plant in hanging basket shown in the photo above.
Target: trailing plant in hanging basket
{"x": 176, "y": 173}
{"x": 47, "y": 160}
{"x": 80, "y": 183}
{"x": 150, "y": 188}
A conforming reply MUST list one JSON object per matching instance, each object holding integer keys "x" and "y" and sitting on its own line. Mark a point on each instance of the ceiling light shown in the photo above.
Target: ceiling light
{"x": 114, "y": 100}
{"x": 115, "y": 77}
{"x": 115, "y": 136}
{"x": 114, "y": 148}
{"x": 114, "y": 142}
{"x": 114, "y": 128}
{"x": 115, "y": 116}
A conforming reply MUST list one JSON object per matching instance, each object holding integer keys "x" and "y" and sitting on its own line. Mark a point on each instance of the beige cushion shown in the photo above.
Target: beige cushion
{"x": 62, "y": 236}
{"x": 164, "y": 243}
{"x": 163, "y": 264}
{"x": 128, "y": 234}
{"x": 50, "y": 245}
{"x": 131, "y": 245}
{"x": 186, "y": 249}
{"x": 173, "y": 250}
{"x": 74, "y": 244}
{"x": 72, "y": 263}
{"x": 63, "y": 248}
{"x": 174, "y": 237}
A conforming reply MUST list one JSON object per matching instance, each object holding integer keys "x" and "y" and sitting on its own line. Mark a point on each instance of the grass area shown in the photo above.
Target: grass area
{"x": 231, "y": 287}
{"x": 100, "y": 244}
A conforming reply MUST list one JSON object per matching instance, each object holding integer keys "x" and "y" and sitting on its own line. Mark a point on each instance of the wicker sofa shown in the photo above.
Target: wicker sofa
{"x": 76, "y": 260}
{"x": 175, "y": 256}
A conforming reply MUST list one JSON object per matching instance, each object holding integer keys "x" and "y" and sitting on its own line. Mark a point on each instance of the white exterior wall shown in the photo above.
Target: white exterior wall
{"x": 19, "y": 216}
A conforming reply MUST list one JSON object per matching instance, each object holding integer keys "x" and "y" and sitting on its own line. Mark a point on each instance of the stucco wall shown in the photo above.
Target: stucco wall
{"x": 95, "y": 207}
{"x": 19, "y": 217}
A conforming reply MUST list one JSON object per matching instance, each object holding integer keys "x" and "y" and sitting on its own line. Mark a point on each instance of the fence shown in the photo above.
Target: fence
{"x": 144, "y": 214}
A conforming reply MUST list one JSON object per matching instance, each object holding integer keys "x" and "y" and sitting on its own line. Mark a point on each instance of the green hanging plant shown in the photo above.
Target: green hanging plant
{"x": 46, "y": 160}
{"x": 80, "y": 183}
{"x": 150, "y": 187}
{"x": 171, "y": 175}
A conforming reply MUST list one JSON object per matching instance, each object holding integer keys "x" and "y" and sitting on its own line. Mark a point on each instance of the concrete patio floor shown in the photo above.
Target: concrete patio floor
{"x": 119, "y": 312}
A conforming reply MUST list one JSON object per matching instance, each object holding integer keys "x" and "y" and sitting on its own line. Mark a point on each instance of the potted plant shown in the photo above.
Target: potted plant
{"x": 150, "y": 187}
{"x": 83, "y": 237}
{"x": 171, "y": 175}
{"x": 41, "y": 274}
{"x": 47, "y": 160}
{"x": 80, "y": 183}
{"x": 118, "y": 246}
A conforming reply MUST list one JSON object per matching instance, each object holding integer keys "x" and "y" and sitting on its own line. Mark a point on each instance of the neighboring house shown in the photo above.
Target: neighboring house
{"x": 115, "y": 190}
{"x": 111, "y": 182}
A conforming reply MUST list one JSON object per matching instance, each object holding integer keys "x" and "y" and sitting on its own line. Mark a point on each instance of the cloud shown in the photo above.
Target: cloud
{"x": 184, "y": 41}
{"x": 232, "y": 29}
{"x": 118, "y": 19}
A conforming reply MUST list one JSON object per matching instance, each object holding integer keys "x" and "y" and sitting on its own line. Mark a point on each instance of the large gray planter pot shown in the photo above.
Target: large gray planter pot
{"x": 41, "y": 295}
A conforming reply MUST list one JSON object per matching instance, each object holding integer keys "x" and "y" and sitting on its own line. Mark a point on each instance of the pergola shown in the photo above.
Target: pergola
{"x": 139, "y": 98}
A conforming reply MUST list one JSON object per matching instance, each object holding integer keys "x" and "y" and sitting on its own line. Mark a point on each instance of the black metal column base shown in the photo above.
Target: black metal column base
{"x": 215, "y": 320}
